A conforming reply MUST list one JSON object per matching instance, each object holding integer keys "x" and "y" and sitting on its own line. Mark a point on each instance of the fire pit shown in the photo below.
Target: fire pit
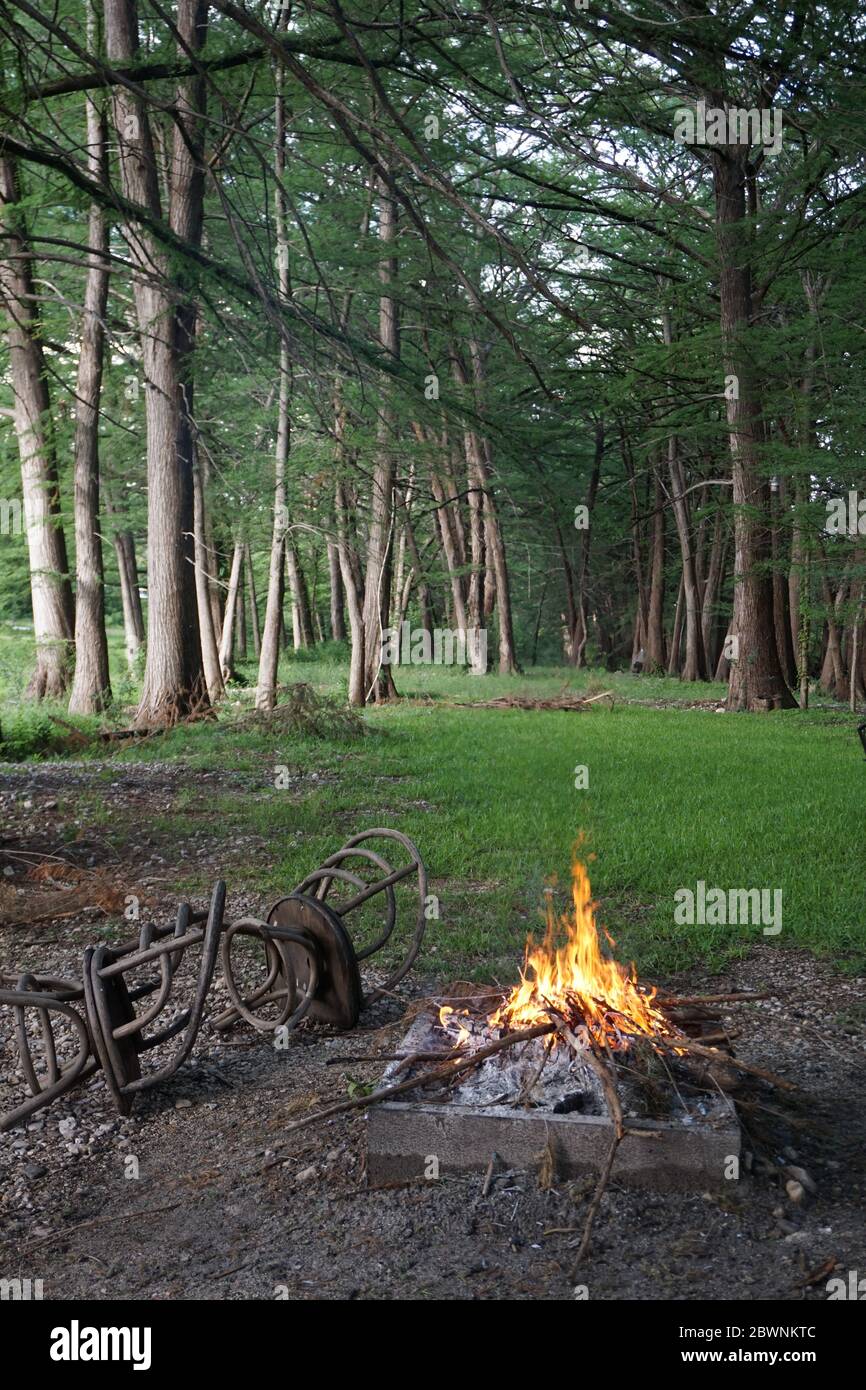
{"x": 607, "y": 1076}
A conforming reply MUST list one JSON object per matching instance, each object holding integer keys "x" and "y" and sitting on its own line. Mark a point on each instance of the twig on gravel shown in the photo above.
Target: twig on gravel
{"x": 364, "y": 1057}
{"x": 97, "y": 1221}
{"x": 488, "y": 1176}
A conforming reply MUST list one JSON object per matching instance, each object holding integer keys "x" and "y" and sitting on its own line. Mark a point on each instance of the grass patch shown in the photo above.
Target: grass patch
{"x": 675, "y": 795}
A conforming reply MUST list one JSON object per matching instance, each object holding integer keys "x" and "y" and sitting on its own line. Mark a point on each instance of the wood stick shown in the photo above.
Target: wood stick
{"x": 97, "y": 1221}
{"x": 440, "y": 1073}
{"x": 488, "y": 1176}
{"x": 610, "y": 1093}
{"x": 596, "y": 1200}
{"x": 712, "y": 1053}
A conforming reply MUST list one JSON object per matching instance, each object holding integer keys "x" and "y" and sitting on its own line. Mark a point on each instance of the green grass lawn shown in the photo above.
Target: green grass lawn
{"x": 675, "y": 795}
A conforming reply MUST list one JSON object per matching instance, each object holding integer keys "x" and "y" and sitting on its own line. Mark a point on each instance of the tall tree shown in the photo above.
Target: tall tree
{"x": 91, "y": 688}
{"x": 50, "y": 589}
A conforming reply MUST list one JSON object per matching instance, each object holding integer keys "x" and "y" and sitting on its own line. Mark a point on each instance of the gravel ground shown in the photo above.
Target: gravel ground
{"x": 201, "y": 1193}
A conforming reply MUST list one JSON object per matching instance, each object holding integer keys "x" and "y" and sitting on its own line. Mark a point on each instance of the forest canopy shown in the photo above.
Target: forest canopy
{"x": 537, "y": 320}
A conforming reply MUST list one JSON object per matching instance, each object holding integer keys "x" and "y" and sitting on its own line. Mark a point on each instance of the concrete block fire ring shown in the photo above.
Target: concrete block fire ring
{"x": 403, "y": 1137}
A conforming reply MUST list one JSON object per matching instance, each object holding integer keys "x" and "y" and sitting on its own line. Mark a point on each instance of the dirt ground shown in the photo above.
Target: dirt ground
{"x": 222, "y": 1203}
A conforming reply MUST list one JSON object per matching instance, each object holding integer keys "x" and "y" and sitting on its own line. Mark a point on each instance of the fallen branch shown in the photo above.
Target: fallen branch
{"x": 97, "y": 1221}
{"x": 555, "y": 702}
{"x": 684, "y": 1044}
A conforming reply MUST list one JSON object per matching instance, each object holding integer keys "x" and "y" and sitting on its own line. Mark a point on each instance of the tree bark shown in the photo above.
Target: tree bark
{"x": 676, "y": 635}
{"x": 756, "y": 680}
{"x": 353, "y": 585}
{"x": 694, "y": 665}
{"x": 302, "y": 622}
{"x": 272, "y": 632}
{"x": 251, "y": 600}
{"x": 174, "y": 682}
{"x": 580, "y": 633}
{"x": 378, "y": 679}
{"x": 335, "y": 581}
{"x": 654, "y": 660}
{"x": 780, "y": 577}
{"x": 712, "y": 589}
{"x": 228, "y": 633}
{"x": 127, "y": 570}
{"x": 209, "y": 646}
{"x": 91, "y": 687}
{"x": 494, "y": 538}
{"x": 50, "y": 589}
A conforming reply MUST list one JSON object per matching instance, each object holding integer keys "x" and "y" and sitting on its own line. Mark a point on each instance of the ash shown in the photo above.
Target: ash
{"x": 536, "y": 1075}
{"x": 554, "y": 1078}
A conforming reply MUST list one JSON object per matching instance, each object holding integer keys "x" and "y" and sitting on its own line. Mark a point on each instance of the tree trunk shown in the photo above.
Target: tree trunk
{"x": 241, "y": 620}
{"x": 251, "y": 600}
{"x": 676, "y": 635}
{"x": 834, "y": 679}
{"x": 425, "y": 600}
{"x": 780, "y": 577}
{"x": 712, "y": 589}
{"x": 353, "y": 585}
{"x": 450, "y": 537}
{"x": 130, "y": 598}
{"x": 91, "y": 688}
{"x": 50, "y": 589}
{"x": 581, "y": 631}
{"x": 335, "y": 581}
{"x": 654, "y": 660}
{"x": 301, "y": 616}
{"x": 174, "y": 683}
{"x": 756, "y": 680}
{"x": 694, "y": 666}
{"x": 640, "y": 626}
{"x": 272, "y": 633}
{"x": 228, "y": 633}
{"x": 209, "y": 647}
{"x": 494, "y": 539}
{"x": 378, "y": 679}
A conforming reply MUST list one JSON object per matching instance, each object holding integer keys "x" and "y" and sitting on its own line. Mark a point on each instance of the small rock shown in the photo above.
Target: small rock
{"x": 67, "y": 1126}
{"x": 801, "y": 1176}
{"x": 183, "y": 1105}
{"x": 34, "y": 1171}
{"x": 795, "y": 1190}
{"x": 306, "y": 1174}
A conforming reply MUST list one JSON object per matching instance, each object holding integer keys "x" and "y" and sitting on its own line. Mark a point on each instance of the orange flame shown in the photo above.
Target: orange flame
{"x": 463, "y": 1034}
{"x": 574, "y": 980}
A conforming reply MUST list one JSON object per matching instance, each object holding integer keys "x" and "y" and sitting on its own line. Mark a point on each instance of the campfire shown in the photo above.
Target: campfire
{"x": 567, "y": 981}
{"x": 572, "y": 1071}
